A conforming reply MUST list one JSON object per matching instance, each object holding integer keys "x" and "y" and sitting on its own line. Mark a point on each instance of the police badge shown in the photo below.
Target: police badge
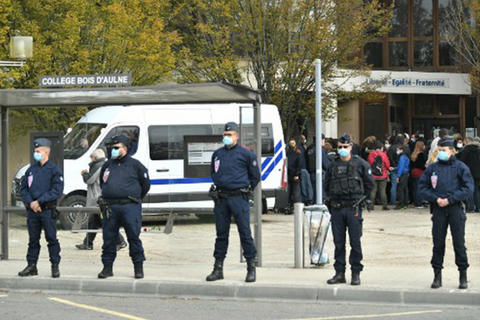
{"x": 217, "y": 164}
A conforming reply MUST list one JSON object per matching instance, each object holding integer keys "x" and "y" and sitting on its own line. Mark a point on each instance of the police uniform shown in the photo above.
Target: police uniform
{"x": 234, "y": 170}
{"x": 124, "y": 182}
{"x": 447, "y": 179}
{"x": 42, "y": 183}
{"x": 346, "y": 182}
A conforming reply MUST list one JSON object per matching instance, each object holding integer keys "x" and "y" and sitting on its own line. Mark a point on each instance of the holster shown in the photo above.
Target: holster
{"x": 213, "y": 192}
{"x": 105, "y": 211}
{"x": 52, "y": 205}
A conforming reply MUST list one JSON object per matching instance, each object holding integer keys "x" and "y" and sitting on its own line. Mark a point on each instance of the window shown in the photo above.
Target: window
{"x": 82, "y": 136}
{"x": 398, "y": 52}
{"x": 400, "y": 19}
{"x": 447, "y": 54}
{"x": 423, "y": 53}
{"x": 132, "y": 132}
{"x": 447, "y": 105}
{"x": 167, "y": 142}
{"x": 423, "y": 18}
{"x": 424, "y": 105}
{"x": 374, "y": 54}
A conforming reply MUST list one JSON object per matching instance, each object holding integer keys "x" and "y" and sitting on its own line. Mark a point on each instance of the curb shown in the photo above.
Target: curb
{"x": 238, "y": 291}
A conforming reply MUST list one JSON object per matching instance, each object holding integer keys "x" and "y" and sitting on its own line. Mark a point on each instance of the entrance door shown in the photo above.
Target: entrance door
{"x": 427, "y": 126}
{"x": 374, "y": 115}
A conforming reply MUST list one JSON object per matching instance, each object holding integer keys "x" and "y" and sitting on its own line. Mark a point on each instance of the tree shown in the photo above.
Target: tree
{"x": 463, "y": 35}
{"x": 88, "y": 37}
{"x": 274, "y": 43}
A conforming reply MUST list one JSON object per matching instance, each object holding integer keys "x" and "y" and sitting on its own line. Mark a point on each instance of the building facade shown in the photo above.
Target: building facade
{"x": 424, "y": 87}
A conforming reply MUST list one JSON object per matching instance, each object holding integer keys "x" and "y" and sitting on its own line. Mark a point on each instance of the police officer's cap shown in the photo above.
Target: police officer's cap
{"x": 446, "y": 141}
{"x": 121, "y": 139}
{"x": 345, "y": 139}
{"x": 231, "y": 126}
{"x": 42, "y": 142}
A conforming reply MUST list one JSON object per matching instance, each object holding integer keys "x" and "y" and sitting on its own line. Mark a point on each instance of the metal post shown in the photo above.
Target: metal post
{"x": 298, "y": 234}
{"x": 318, "y": 128}
{"x": 257, "y": 120}
{"x": 3, "y": 179}
{"x": 240, "y": 141}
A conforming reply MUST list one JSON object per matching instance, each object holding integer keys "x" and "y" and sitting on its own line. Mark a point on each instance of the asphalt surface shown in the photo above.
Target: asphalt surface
{"x": 40, "y": 306}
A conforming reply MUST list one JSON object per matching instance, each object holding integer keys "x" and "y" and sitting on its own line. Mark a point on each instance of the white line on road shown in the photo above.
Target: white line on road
{"x": 100, "y": 310}
{"x": 367, "y": 316}
{"x": 3, "y": 295}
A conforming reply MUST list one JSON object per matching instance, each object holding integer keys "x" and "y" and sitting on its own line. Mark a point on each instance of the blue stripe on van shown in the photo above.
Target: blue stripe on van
{"x": 270, "y": 169}
{"x": 265, "y": 163}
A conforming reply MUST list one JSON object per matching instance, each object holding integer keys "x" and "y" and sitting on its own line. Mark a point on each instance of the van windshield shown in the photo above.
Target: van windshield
{"x": 82, "y": 136}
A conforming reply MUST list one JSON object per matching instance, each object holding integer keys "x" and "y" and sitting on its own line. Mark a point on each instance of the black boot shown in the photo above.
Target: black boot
{"x": 339, "y": 277}
{"x": 437, "y": 280}
{"x": 355, "y": 279}
{"x": 138, "y": 270}
{"x": 217, "y": 273}
{"x": 106, "y": 272}
{"x": 30, "y": 270}
{"x": 251, "y": 273}
{"x": 463, "y": 280}
{"x": 55, "y": 270}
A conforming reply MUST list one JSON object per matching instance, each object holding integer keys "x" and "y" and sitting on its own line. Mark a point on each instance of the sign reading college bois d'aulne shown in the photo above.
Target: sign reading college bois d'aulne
{"x": 97, "y": 80}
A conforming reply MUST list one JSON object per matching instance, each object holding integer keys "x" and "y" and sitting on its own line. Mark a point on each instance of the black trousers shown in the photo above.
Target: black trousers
{"x": 293, "y": 192}
{"x": 402, "y": 190}
{"x": 344, "y": 219}
{"x": 455, "y": 217}
{"x": 35, "y": 223}
{"x": 95, "y": 222}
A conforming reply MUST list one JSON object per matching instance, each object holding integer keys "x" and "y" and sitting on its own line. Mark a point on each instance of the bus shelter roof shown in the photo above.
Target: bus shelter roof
{"x": 216, "y": 92}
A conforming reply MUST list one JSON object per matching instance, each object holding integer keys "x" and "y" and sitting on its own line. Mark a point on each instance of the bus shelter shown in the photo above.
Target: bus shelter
{"x": 199, "y": 93}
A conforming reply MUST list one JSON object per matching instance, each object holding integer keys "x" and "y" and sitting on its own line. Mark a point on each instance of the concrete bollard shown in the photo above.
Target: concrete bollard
{"x": 298, "y": 235}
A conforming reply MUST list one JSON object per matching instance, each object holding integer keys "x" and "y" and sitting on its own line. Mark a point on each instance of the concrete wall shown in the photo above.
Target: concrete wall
{"x": 348, "y": 118}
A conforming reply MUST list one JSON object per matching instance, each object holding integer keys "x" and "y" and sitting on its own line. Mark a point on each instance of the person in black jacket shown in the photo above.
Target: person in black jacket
{"x": 470, "y": 155}
{"x": 294, "y": 170}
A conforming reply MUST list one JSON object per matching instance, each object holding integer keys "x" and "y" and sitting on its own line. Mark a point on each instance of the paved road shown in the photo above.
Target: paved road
{"x": 22, "y": 306}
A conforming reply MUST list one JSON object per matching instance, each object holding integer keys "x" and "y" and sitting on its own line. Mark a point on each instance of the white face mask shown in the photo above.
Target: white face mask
{"x": 459, "y": 145}
{"x": 387, "y": 146}
{"x": 399, "y": 152}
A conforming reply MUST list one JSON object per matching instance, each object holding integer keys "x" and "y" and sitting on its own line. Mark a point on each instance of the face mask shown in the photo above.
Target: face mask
{"x": 413, "y": 139}
{"x": 399, "y": 152}
{"x": 387, "y": 146}
{"x": 115, "y": 153}
{"x": 443, "y": 155}
{"x": 228, "y": 141}
{"x": 37, "y": 156}
{"x": 343, "y": 152}
{"x": 459, "y": 145}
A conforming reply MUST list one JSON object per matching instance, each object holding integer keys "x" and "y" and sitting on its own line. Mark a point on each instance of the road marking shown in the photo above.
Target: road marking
{"x": 366, "y": 316}
{"x": 3, "y": 295}
{"x": 100, "y": 310}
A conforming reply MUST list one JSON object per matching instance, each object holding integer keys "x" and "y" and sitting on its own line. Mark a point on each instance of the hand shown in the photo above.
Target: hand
{"x": 84, "y": 171}
{"x": 390, "y": 169}
{"x": 35, "y": 206}
{"x": 398, "y": 180}
{"x": 442, "y": 202}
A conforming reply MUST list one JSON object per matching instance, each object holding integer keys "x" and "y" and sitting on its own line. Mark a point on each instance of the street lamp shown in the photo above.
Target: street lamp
{"x": 21, "y": 48}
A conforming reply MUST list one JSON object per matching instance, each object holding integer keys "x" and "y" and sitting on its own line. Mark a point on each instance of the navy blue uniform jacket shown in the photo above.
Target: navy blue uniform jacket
{"x": 42, "y": 183}
{"x": 123, "y": 178}
{"x": 454, "y": 182}
{"x": 234, "y": 169}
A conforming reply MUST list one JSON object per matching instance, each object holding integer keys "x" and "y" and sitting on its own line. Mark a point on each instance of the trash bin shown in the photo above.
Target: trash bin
{"x": 317, "y": 225}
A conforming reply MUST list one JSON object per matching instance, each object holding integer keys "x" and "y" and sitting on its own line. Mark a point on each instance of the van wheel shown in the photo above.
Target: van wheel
{"x": 68, "y": 218}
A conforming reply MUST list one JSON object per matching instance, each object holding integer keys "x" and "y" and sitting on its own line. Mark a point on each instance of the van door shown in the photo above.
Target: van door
{"x": 166, "y": 132}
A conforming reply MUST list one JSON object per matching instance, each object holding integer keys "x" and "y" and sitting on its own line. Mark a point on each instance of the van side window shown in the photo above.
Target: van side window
{"x": 132, "y": 132}
{"x": 167, "y": 142}
{"x": 248, "y": 138}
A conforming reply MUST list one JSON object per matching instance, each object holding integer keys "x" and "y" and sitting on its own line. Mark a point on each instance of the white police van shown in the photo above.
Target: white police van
{"x": 175, "y": 143}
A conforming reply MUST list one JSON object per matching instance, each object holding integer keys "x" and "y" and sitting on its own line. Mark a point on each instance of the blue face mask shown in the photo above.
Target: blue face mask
{"x": 228, "y": 141}
{"x": 37, "y": 156}
{"x": 115, "y": 153}
{"x": 343, "y": 152}
{"x": 443, "y": 155}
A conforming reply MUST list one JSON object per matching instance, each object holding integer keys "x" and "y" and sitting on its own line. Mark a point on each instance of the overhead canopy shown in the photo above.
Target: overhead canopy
{"x": 218, "y": 92}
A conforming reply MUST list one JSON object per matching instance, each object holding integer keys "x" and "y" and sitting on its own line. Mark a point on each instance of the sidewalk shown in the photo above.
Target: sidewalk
{"x": 396, "y": 245}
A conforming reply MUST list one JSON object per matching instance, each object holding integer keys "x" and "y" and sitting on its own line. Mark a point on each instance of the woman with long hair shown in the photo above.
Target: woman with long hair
{"x": 418, "y": 161}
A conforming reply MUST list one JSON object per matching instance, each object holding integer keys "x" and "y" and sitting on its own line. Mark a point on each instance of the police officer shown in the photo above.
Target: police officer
{"x": 124, "y": 182}
{"x": 348, "y": 180}
{"x": 41, "y": 187}
{"x": 234, "y": 171}
{"x": 447, "y": 183}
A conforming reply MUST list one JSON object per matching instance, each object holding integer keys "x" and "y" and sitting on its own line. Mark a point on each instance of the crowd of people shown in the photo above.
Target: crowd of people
{"x": 397, "y": 163}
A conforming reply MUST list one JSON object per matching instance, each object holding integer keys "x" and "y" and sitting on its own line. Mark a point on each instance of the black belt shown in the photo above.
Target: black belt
{"x": 342, "y": 204}
{"x": 226, "y": 194}
{"x": 112, "y": 202}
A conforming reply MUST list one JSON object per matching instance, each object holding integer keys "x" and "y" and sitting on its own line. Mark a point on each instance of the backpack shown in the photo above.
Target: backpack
{"x": 377, "y": 166}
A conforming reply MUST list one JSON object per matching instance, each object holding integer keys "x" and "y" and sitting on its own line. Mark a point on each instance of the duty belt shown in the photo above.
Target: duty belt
{"x": 226, "y": 194}
{"x": 338, "y": 204}
{"x": 112, "y": 202}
